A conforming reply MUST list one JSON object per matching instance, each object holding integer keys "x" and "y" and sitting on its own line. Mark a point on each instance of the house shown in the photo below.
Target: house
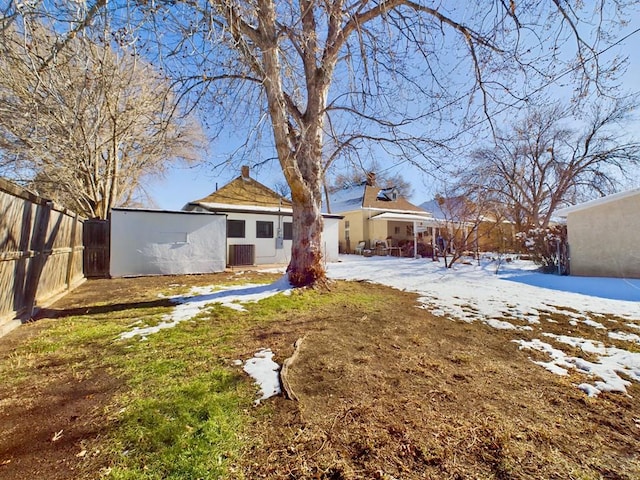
{"x": 376, "y": 215}
{"x": 471, "y": 225}
{"x": 161, "y": 242}
{"x": 259, "y": 222}
{"x": 603, "y": 236}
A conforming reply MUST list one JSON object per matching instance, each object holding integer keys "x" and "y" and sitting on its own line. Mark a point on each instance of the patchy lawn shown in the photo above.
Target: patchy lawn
{"x": 385, "y": 390}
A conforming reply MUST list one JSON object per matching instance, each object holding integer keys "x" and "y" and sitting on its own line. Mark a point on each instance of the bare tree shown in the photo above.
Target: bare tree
{"x": 328, "y": 77}
{"x": 383, "y": 179}
{"x": 87, "y": 129}
{"x": 471, "y": 223}
{"x": 299, "y": 53}
{"x": 545, "y": 163}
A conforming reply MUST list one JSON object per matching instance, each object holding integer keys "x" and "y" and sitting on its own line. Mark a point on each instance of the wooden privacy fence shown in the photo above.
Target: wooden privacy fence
{"x": 40, "y": 253}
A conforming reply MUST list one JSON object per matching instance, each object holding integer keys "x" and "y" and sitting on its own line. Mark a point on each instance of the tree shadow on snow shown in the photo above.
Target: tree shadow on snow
{"x": 601, "y": 287}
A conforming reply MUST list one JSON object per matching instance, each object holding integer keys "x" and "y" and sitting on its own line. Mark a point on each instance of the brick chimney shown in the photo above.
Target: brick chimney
{"x": 245, "y": 171}
{"x": 371, "y": 179}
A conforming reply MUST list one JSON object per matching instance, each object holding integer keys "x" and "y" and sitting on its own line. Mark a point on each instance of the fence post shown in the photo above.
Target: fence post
{"x": 34, "y": 271}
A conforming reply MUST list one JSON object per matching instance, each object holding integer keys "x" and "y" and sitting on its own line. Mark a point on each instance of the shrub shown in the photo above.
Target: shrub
{"x": 546, "y": 247}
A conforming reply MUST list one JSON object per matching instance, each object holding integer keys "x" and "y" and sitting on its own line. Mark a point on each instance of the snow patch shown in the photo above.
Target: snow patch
{"x": 627, "y": 337}
{"x": 200, "y": 298}
{"x": 265, "y": 372}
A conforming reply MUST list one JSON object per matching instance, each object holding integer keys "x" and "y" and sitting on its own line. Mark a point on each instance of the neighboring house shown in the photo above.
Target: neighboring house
{"x": 603, "y": 236}
{"x": 259, "y": 222}
{"x": 468, "y": 224}
{"x": 376, "y": 215}
{"x": 160, "y": 242}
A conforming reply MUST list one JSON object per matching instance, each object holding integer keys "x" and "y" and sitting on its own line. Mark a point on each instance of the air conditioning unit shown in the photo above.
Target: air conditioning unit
{"x": 242, "y": 255}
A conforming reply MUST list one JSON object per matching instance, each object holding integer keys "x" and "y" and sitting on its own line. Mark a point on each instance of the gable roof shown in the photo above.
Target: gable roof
{"x": 364, "y": 196}
{"x": 563, "y": 212}
{"x": 244, "y": 190}
{"x": 246, "y": 195}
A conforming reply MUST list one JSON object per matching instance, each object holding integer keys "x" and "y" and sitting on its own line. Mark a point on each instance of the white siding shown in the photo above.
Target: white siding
{"x": 266, "y": 249}
{"x": 330, "y": 237}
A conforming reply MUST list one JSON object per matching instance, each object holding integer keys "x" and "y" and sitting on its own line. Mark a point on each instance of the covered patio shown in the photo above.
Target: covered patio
{"x": 418, "y": 225}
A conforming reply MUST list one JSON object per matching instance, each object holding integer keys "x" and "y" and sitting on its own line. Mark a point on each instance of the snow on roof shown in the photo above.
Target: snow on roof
{"x": 405, "y": 217}
{"x": 563, "y": 212}
{"x": 363, "y": 196}
{"x": 345, "y": 199}
{"x": 386, "y": 194}
{"x": 434, "y": 207}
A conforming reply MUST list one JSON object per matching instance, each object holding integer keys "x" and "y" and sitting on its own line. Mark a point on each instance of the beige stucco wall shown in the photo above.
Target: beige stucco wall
{"x": 355, "y": 231}
{"x": 604, "y": 240}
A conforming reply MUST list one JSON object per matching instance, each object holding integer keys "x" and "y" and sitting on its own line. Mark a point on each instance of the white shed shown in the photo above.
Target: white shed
{"x": 159, "y": 242}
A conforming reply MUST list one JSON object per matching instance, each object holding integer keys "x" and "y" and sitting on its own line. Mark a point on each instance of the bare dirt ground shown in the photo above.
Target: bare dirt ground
{"x": 399, "y": 393}
{"x": 385, "y": 392}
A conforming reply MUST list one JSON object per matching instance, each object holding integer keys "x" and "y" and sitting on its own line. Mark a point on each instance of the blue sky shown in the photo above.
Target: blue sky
{"x": 184, "y": 184}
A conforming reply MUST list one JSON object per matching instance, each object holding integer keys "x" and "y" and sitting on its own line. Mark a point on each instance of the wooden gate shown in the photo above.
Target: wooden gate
{"x": 97, "y": 242}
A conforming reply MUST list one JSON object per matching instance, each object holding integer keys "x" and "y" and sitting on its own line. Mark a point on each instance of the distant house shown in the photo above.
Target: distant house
{"x": 603, "y": 236}
{"x": 468, "y": 223}
{"x": 259, "y": 222}
{"x": 376, "y": 215}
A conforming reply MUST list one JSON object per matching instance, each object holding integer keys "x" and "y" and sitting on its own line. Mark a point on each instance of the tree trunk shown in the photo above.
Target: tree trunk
{"x": 306, "y": 266}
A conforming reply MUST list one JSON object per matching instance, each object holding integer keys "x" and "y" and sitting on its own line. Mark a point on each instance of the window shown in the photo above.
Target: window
{"x": 287, "y": 231}
{"x": 264, "y": 229}
{"x": 396, "y": 230}
{"x": 235, "y": 228}
{"x": 172, "y": 238}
